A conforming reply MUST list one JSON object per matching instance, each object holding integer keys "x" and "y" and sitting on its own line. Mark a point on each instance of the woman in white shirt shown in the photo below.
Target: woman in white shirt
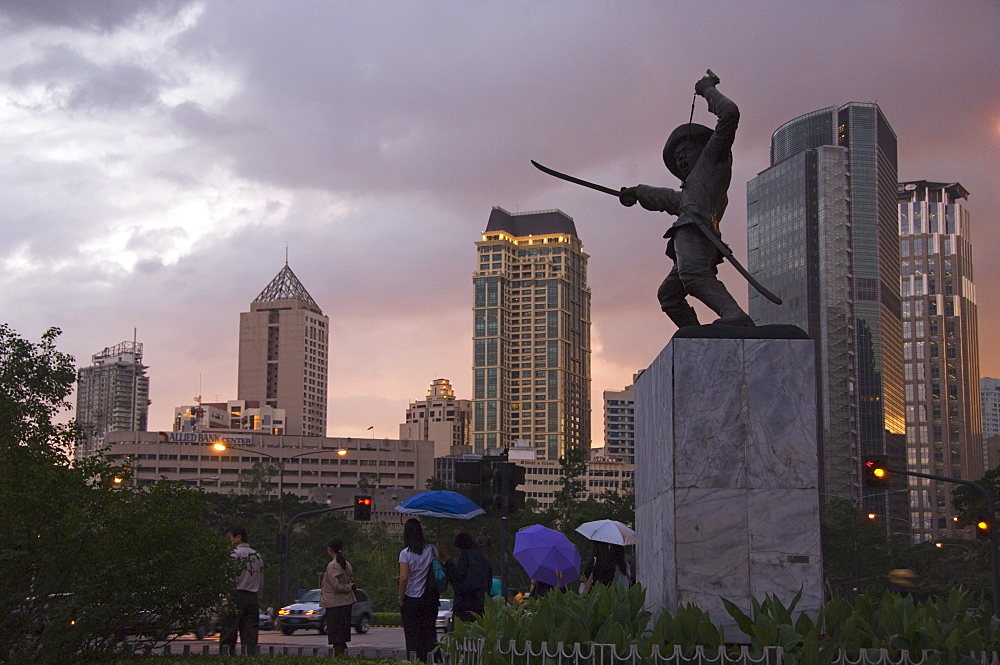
{"x": 418, "y": 594}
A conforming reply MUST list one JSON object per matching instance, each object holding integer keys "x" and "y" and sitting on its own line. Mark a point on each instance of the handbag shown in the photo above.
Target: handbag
{"x": 440, "y": 576}
{"x": 437, "y": 578}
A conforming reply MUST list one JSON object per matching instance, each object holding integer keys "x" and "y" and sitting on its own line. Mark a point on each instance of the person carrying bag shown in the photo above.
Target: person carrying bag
{"x": 337, "y": 596}
{"x": 418, "y": 591}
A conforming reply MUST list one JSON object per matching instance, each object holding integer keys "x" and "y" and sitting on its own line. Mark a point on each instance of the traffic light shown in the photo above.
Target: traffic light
{"x": 362, "y": 508}
{"x": 516, "y": 496}
{"x": 983, "y": 524}
{"x": 507, "y": 477}
{"x": 489, "y": 472}
{"x": 875, "y": 474}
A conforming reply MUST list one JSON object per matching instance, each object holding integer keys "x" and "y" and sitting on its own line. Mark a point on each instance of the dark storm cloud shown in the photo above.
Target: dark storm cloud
{"x": 89, "y": 15}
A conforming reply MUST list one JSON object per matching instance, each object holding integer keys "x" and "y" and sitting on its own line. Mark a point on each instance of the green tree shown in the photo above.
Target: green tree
{"x": 256, "y": 480}
{"x": 969, "y": 502}
{"x": 857, "y": 554}
{"x": 574, "y": 467}
{"x": 85, "y": 561}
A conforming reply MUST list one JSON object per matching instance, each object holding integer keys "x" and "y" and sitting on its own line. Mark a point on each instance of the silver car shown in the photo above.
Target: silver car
{"x": 445, "y": 621}
{"x": 307, "y": 614}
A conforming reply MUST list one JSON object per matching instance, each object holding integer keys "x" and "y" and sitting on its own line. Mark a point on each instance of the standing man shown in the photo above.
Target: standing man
{"x": 244, "y": 617}
{"x": 703, "y": 159}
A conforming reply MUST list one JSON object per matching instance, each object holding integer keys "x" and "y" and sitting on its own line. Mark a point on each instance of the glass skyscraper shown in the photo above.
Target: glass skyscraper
{"x": 940, "y": 350}
{"x": 531, "y": 335}
{"x": 822, "y": 234}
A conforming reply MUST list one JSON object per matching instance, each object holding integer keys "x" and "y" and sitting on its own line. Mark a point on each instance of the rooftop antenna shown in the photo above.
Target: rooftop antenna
{"x": 286, "y": 253}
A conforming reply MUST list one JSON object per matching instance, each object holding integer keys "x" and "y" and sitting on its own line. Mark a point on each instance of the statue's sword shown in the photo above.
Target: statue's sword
{"x": 715, "y": 240}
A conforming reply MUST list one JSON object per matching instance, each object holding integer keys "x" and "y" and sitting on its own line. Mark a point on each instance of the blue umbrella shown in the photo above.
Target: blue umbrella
{"x": 543, "y": 551}
{"x": 440, "y": 503}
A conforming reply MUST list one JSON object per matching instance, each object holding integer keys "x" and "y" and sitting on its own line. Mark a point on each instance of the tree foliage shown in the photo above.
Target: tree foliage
{"x": 969, "y": 503}
{"x": 574, "y": 466}
{"x": 86, "y": 562}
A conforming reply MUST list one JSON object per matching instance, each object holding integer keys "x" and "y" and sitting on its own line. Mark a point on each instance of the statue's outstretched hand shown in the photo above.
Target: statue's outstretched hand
{"x": 628, "y": 196}
{"x": 706, "y": 82}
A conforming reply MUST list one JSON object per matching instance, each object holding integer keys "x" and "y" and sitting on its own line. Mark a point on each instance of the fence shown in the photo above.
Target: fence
{"x": 475, "y": 652}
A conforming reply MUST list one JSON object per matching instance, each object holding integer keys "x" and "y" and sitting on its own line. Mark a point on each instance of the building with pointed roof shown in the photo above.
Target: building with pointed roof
{"x": 284, "y": 354}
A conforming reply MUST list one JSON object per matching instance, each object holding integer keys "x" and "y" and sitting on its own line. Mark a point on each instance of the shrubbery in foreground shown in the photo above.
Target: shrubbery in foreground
{"x": 953, "y": 627}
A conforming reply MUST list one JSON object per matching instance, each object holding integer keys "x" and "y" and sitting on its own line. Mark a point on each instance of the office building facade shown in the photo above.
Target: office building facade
{"x": 940, "y": 350}
{"x": 311, "y": 464}
{"x": 619, "y": 424}
{"x": 441, "y": 418}
{"x": 284, "y": 355}
{"x": 232, "y": 416}
{"x": 990, "y": 399}
{"x": 531, "y": 335}
{"x": 822, "y": 233}
{"x": 112, "y": 395}
{"x": 989, "y": 395}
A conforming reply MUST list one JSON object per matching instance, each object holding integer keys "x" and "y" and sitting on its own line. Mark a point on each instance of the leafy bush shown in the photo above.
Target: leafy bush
{"x": 951, "y": 628}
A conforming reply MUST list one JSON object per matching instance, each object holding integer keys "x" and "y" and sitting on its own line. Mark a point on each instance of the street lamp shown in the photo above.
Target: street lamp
{"x": 281, "y": 461}
{"x": 283, "y": 544}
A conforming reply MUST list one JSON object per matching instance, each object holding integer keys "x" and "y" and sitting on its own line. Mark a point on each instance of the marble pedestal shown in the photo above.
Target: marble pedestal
{"x": 727, "y": 504}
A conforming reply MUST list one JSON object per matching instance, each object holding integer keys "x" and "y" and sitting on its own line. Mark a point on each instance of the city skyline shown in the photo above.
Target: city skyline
{"x": 157, "y": 171}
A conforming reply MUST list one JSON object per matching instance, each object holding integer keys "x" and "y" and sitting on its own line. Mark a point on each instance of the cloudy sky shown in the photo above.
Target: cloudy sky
{"x": 157, "y": 158}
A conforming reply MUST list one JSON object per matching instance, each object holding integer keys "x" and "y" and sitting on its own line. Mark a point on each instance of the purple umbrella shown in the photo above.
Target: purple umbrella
{"x": 542, "y": 552}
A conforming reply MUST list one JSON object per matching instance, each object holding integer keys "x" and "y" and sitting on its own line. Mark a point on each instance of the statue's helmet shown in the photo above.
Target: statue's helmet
{"x": 689, "y": 131}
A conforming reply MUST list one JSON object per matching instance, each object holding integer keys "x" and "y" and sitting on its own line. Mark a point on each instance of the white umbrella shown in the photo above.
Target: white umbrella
{"x": 607, "y": 531}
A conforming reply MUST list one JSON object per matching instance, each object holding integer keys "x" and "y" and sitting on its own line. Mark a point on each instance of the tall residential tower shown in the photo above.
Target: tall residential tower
{"x": 284, "y": 354}
{"x": 112, "y": 395}
{"x": 531, "y": 337}
{"x": 944, "y": 433}
{"x": 822, "y": 233}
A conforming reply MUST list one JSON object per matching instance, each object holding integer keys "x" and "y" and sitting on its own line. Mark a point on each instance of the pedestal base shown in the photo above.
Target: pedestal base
{"x": 726, "y": 476}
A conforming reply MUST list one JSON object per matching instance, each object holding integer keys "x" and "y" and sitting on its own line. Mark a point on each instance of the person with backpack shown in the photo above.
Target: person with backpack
{"x": 337, "y": 596}
{"x": 418, "y": 591}
{"x": 471, "y": 577}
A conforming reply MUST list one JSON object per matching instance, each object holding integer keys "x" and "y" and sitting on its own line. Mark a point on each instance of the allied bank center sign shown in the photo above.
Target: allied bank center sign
{"x": 206, "y": 438}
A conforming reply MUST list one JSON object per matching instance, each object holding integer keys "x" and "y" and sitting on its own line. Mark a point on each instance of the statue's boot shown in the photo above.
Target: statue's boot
{"x": 714, "y": 294}
{"x": 683, "y": 315}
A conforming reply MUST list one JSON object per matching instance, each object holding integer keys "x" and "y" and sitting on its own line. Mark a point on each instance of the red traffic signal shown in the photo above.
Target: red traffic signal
{"x": 362, "y": 508}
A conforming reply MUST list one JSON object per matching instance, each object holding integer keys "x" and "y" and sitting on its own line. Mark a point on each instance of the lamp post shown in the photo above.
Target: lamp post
{"x": 282, "y": 538}
{"x": 220, "y": 447}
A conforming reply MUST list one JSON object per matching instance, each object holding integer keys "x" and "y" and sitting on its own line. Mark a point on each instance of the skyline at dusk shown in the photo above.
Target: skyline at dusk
{"x": 159, "y": 159}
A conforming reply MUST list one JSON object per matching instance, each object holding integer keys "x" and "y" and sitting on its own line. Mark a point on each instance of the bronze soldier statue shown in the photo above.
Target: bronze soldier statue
{"x": 703, "y": 159}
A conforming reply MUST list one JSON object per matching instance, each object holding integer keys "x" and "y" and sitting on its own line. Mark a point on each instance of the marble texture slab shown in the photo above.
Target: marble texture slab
{"x": 726, "y": 476}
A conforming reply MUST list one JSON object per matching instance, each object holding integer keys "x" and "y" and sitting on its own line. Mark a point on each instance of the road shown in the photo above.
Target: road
{"x": 378, "y": 642}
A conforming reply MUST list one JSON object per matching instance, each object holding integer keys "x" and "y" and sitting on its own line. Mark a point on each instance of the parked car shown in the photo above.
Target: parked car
{"x": 445, "y": 620}
{"x": 307, "y": 614}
